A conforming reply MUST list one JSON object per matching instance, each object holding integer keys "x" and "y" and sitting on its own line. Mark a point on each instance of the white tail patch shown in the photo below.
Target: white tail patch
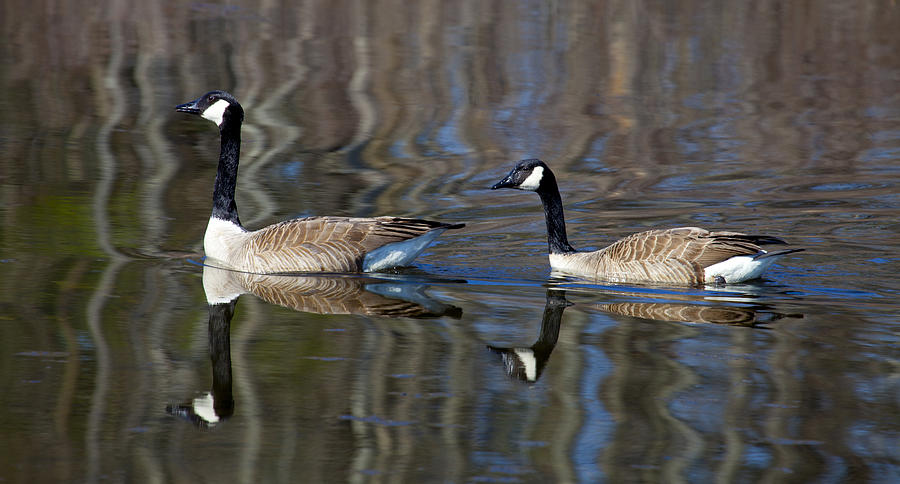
{"x": 738, "y": 269}
{"x": 215, "y": 112}
{"x": 398, "y": 254}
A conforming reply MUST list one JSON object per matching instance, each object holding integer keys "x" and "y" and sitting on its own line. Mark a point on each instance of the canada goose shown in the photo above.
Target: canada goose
{"x": 310, "y": 244}
{"x": 683, "y": 255}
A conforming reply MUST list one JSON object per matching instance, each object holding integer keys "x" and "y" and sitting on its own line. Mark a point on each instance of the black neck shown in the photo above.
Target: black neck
{"x": 224, "y": 206}
{"x": 553, "y": 212}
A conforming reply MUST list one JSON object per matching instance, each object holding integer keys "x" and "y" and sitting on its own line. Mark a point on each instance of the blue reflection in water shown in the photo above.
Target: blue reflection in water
{"x": 599, "y": 425}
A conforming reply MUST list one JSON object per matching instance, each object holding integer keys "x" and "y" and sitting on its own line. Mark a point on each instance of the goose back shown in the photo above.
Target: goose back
{"x": 322, "y": 244}
{"x": 679, "y": 255}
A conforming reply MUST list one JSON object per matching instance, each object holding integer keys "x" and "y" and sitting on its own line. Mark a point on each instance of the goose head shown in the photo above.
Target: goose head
{"x": 216, "y": 106}
{"x": 527, "y": 175}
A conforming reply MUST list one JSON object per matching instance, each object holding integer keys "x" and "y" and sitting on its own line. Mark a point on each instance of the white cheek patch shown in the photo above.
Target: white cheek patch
{"x": 534, "y": 179}
{"x": 215, "y": 112}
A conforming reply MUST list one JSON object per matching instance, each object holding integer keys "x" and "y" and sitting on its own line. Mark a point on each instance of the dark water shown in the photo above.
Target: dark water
{"x": 769, "y": 117}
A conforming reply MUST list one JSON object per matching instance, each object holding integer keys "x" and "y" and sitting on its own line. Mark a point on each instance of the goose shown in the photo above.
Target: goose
{"x": 310, "y": 244}
{"x": 682, "y": 256}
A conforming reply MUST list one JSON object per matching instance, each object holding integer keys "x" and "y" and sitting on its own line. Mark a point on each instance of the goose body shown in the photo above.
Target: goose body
{"x": 683, "y": 255}
{"x": 310, "y": 244}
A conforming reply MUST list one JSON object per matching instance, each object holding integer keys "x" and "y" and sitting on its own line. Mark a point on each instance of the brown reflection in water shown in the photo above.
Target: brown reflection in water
{"x": 369, "y": 295}
{"x": 689, "y": 313}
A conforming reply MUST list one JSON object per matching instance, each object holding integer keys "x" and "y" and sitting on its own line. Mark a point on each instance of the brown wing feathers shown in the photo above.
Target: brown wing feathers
{"x": 690, "y": 244}
{"x": 330, "y": 243}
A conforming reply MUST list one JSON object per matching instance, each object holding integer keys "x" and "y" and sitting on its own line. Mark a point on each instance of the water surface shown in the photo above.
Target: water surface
{"x": 766, "y": 117}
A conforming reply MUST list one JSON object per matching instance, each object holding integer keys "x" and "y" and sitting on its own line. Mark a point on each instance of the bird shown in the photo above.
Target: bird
{"x": 681, "y": 256}
{"x": 308, "y": 244}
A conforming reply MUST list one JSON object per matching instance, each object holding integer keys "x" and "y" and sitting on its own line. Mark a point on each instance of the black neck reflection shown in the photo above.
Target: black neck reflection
{"x": 359, "y": 294}
{"x": 526, "y": 364}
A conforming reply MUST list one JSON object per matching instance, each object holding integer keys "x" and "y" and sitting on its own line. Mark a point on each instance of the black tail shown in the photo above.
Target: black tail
{"x": 755, "y": 239}
{"x": 776, "y": 253}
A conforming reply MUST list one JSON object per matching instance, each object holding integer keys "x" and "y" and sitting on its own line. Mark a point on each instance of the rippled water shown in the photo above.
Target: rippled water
{"x": 769, "y": 117}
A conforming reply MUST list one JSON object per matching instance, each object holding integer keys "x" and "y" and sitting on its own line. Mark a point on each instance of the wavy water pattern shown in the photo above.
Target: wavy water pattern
{"x": 476, "y": 364}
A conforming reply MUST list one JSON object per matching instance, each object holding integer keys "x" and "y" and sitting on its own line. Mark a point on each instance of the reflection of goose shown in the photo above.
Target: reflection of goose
{"x": 527, "y": 364}
{"x": 311, "y": 244}
{"x": 684, "y": 255}
{"x": 218, "y": 404}
{"x": 758, "y": 315}
{"x": 331, "y": 294}
{"x": 688, "y": 313}
{"x": 315, "y": 294}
